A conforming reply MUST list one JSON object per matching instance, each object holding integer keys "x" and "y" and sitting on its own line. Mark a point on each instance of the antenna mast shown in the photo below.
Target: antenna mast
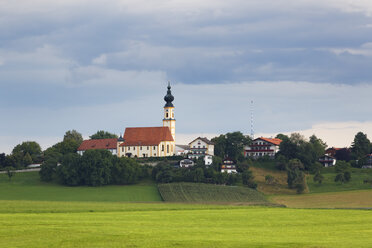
{"x": 252, "y": 132}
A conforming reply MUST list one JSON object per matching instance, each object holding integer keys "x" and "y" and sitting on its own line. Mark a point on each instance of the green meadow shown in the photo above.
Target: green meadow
{"x": 27, "y": 186}
{"x": 105, "y": 224}
{"x": 37, "y": 214}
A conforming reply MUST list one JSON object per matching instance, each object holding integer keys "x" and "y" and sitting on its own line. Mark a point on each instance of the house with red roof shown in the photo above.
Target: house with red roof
{"x": 261, "y": 147}
{"x": 106, "y": 144}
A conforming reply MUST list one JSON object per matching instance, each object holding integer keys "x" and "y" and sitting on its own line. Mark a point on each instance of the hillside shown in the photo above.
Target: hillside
{"x": 27, "y": 186}
{"x": 199, "y": 192}
{"x": 280, "y": 187}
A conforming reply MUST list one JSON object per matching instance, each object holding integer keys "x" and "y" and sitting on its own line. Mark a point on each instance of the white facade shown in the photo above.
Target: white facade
{"x": 261, "y": 147}
{"x": 113, "y": 151}
{"x": 327, "y": 161}
{"x": 228, "y": 166}
{"x": 201, "y": 147}
{"x": 208, "y": 159}
{"x": 164, "y": 149}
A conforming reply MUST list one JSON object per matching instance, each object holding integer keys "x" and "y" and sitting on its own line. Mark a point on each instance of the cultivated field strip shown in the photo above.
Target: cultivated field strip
{"x": 199, "y": 192}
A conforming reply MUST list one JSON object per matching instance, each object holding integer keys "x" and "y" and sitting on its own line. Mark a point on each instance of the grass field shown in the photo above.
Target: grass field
{"x": 345, "y": 199}
{"x": 329, "y": 185}
{"x": 280, "y": 187}
{"x": 176, "y": 225}
{"x": 199, "y": 192}
{"x": 27, "y": 186}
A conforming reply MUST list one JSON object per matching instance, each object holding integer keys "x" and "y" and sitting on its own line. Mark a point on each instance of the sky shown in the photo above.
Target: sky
{"x": 104, "y": 65}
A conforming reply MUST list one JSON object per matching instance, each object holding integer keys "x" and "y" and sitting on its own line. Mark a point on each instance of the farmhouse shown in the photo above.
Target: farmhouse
{"x": 261, "y": 147}
{"x": 142, "y": 141}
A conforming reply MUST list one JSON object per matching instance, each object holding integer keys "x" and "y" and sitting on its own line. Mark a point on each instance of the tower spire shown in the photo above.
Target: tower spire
{"x": 169, "y": 97}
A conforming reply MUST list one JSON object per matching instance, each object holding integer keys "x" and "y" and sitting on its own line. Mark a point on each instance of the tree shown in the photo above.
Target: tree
{"x": 343, "y": 154}
{"x": 73, "y": 135}
{"x": 343, "y": 172}
{"x": 361, "y": 146}
{"x": 103, "y": 135}
{"x": 269, "y": 179}
{"x": 281, "y": 162}
{"x": 318, "y": 177}
{"x": 27, "y": 160}
{"x": 95, "y": 167}
{"x": 248, "y": 179}
{"x": 2, "y": 160}
{"x": 231, "y": 145}
{"x": 48, "y": 170}
{"x": 295, "y": 176}
{"x": 30, "y": 147}
{"x": 296, "y": 146}
{"x": 220, "y": 146}
{"x": 198, "y": 175}
{"x": 68, "y": 173}
{"x": 10, "y": 172}
{"x": 281, "y": 136}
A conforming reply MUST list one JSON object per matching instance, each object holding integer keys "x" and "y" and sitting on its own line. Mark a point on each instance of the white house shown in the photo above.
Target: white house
{"x": 327, "y": 160}
{"x": 261, "y": 147}
{"x": 200, "y": 147}
{"x": 228, "y": 166}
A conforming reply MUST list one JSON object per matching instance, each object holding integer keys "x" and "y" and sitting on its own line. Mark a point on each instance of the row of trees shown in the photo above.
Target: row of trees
{"x": 22, "y": 155}
{"x": 93, "y": 168}
{"x": 30, "y": 152}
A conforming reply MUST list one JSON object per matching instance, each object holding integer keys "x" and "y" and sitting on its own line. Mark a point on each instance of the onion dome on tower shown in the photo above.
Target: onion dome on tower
{"x": 169, "y": 97}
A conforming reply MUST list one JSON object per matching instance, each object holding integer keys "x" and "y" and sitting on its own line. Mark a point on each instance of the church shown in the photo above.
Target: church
{"x": 142, "y": 141}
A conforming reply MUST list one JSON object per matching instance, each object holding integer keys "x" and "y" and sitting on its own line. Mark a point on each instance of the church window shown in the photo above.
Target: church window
{"x": 154, "y": 147}
{"x": 162, "y": 148}
{"x": 141, "y": 148}
{"x": 128, "y": 148}
{"x": 166, "y": 115}
{"x": 167, "y": 148}
{"x": 122, "y": 149}
{"x": 147, "y": 148}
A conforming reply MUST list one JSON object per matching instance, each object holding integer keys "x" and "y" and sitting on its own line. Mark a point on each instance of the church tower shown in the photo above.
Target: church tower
{"x": 169, "y": 120}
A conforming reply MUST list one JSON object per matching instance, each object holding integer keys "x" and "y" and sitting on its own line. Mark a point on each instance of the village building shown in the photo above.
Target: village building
{"x": 146, "y": 142}
{"x": 261, "y": 147}
{"x": 200, "y": 147}
{"x": 106, "y": 144}
{"x": 142, "y": 141}
{"x": 327, "y": 160}
{"x": 228, "y": 166}
{"x": 182, "y": 150}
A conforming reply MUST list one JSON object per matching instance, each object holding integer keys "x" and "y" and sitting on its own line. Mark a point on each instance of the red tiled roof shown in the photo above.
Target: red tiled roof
{"x": 146, "y": 136}
{"x": 272, "y": 141}
{"x": 98, "y": 144}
